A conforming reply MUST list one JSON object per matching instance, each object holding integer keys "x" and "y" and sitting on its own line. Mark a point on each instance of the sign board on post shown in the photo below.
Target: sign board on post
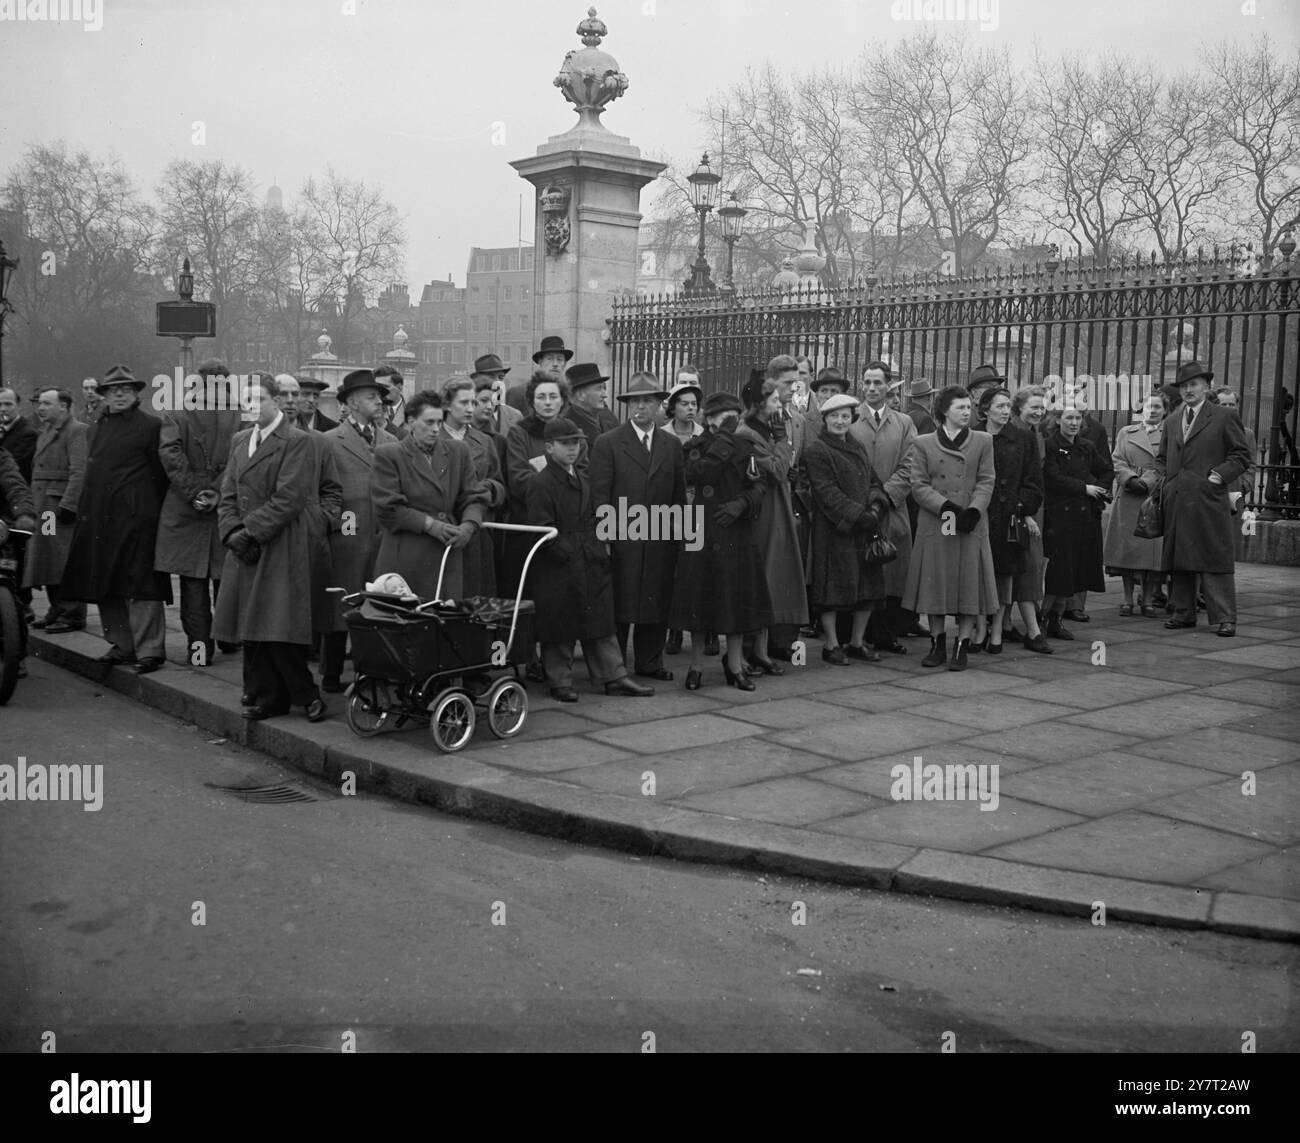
{"x": 187, "y": 319}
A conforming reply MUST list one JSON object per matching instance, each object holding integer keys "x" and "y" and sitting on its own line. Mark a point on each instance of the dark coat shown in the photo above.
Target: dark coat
{"x": 267, "y": 495}
{"x": 194, "y": 447}
{"x": 19, "y": 440}
{"x": 15, "y": 495}
{"x": 112, "y": 551}
{"x": 478, "y": 558}
{"x": 921, "y": 418}
{"x": 776, "y": 532}
{"x": 407, "y": 486}
{"x": 594, "y": 424}
{"x": 1028, "y": 582}
{"x": 58, "y": 469}
{"x": 1017, "y": 493}
{"x": 569, "y": 581}
{"x": 324, "y": 512}
{"x": 721, "y": 587}
{"x": 1198, "y": 520}
{"x": 844, "y": 486}
{"x": 1072, "y": 519}
{"x": 621, "y": 469}
{"x": 320, "y": 423}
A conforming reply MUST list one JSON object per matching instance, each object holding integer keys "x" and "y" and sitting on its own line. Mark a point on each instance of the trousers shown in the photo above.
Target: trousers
{"x": 1220, "y": 589}
{"x": 69, "y": 612}
{"x": 196, "y": 611}
{"x": 276, "y": 675}
{"x": 333, "y": 651}
{"x": 648, "y": 641}
{"x": 603, "y": 656}
{"x": 134, "y": 626}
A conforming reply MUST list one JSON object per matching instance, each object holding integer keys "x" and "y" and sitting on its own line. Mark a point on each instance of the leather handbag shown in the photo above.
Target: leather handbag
{"x": 1018, "y": 534}
{"x": 1151, "y": 516}
{"x": 879, "y": 551}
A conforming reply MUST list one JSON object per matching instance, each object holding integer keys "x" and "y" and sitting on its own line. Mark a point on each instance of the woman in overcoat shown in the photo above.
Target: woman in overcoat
{"x": 1028, "y": 408}
{"x": 951, "y": 572}
{"x": 1017, "y": 495}
{"x": 427, "y": 499}
{"x": 58, "y": 469}
{"x": 775, "y": 530}
{"x": 721, "y": 586}
{"x": 1076, "y": 479}
{"x": 458, "y": 423}
{"x": 849, "y": 503}
{"x": 1134, "y": 459}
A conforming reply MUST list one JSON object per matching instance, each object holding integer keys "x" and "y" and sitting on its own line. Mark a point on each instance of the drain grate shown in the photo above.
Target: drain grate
{"x": 273, "y": 795}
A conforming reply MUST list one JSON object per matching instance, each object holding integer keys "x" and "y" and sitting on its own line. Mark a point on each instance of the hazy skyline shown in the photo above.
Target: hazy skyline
{"x": 410, "y": 95}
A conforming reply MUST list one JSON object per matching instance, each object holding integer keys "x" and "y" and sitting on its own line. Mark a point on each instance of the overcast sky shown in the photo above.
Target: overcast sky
{"x": 406, "y": 92}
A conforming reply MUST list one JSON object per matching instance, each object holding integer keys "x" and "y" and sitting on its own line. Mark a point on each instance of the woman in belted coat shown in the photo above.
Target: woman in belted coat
{"x": 1134, "y": 459}
{"x": 849, "y": 503}
{"x": 1076, "y": 479}
{"x": 58, "y": 468}
{"x": 951, "y": 572}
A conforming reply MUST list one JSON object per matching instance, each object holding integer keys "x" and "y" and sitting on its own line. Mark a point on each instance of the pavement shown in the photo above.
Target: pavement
{"x": 1144, "y": 775}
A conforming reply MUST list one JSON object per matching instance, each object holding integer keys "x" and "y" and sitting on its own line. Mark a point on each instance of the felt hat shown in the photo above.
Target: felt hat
{"x": 552, "y": 344}
{"x": 1190, "y": 370}
{"x": 840, "y": 401}
{"x": 120, "y": 375}
{"x": 584, "y": 374}
{"x": 985, "y": 375}
{"x": 919, "y": 388}
{"x": 358, "y": 379}
{"x": 830, "y": 375}
{"x": 489, "y": 363}
{"x": 642, "y": 387}
{"x": 562, "y": 429}
{"x": 716, "y": 403}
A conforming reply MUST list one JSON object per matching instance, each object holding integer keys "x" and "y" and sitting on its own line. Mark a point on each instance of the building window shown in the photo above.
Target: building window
{"x": 442, "y": 325}
{"x": 460, "y": 325}
{"x": 506, "y": 323}
{"x": 442, "y": 355}
{"x": 492, "y": 293}
{"x": 491, "y": 323}
{"x": 456, "y": 355}
{"x": 473, "y": 292}
{"x": 507, "y": 291}
{"x": 524, "y": 323}
{"x": 473, "y": 324}
{"x": 524, "y": 293}
{"x": 496, "y": 261}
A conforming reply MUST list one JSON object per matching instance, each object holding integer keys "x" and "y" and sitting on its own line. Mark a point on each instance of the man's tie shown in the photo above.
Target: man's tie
{"x": 368, "y": 431}
{"x": 877, "y": 414}
{"x": 1188, "y": 418}
{"x": 649, "y": 443}
{"x": 255, "y": 440}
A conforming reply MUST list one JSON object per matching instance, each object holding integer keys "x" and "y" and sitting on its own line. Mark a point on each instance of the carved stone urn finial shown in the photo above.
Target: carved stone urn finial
{"x": 589, "y": 78}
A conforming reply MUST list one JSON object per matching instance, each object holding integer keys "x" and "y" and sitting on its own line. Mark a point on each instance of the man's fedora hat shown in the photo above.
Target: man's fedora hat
{"x": 831, "y": 376}
{"x": 312, "y": 383}
{"x": 840, "y": 401}
{"x": 1190, "y": 370}
{"x": 358, "y": 379}
{"x": 489, "y": 363}
{"x": 552, "y": 344}
{"x": 985, "y": 375}
{"x": 682, "y": 389}
{"x": 562, "y": 429}
{"x": 584, "y": 374}
{"x": 920, "y": 387}
{"x": 716, "y": 403}
{"x": 120, "y": 375}
{"x": 213, "y": 368}
{"x": 641, "y": 387}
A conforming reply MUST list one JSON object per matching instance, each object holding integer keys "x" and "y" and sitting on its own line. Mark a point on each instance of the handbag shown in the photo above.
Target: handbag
{"x": 1018, "y": 534}
{"x": 1151, "y": 516}
{"x": 879, "y": 551}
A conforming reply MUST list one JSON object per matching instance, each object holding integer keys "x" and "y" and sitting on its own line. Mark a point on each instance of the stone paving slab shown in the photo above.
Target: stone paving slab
{"x": 1118, "y": 781}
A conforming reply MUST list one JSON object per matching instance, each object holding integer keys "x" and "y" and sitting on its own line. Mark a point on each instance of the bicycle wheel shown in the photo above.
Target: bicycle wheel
{"x": 507, "y": 708}
{"x": 369, "y": 707}
{"x": 452, "y": 722}
{"x": 11, "y": 643}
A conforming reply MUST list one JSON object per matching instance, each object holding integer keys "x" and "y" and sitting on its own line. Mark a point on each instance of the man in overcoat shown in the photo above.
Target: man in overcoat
{"x": 310, "y": 418}
{"x": 588, "y": 391}
{"x": 194, "y": 446}
{"x": 354, "y": 538}
{"x": 111, "y": 558}
{"x": 269, "y": 480}
{"x": 637, "y": 466}
{"x": 17, "y": 437}
{"x": 571, "y": 589}
{"x": 58, "y": 469}
{"x": 888, "y": 437}
{"x": 1203, "y": 452}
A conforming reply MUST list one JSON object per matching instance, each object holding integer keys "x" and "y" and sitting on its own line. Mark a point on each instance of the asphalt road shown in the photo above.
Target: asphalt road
{"x": 354, "y": 915}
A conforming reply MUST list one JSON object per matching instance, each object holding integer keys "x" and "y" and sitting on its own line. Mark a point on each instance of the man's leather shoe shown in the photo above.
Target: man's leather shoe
{"x": 62, "y": 626}
{"x": 332, "y": 686}
{"x": 148, "y": 665}
{"x": 256, "y": 713}
{"x": 662, "y": 674}
{"x": 38, "y": 624}
{"x": 115, "y": 657}
{"x": 1227, "y": 630}
{"x": 1175, "y": 623}
{"x": 694, "y": 679}
{"x": 564, "y": 694}
{"x": 862, "y": 655}
{"x": 316, "y": 710}
{"x": 1077, "y": 615}
{"x": 626, "y": 686}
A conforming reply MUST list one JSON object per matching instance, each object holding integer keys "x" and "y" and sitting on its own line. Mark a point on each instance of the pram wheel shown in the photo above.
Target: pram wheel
{"x": 507, "y": 708}
{"x": 452, "y": 721}
{"x": 369, "y": 706}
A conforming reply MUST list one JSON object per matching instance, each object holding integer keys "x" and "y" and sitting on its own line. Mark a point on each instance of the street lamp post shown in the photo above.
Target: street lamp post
{"x": 704, "y": 197}
{"x": 185, "y": 289}
{"x": 732, "y": 215}
{"x": 7, "y": 267}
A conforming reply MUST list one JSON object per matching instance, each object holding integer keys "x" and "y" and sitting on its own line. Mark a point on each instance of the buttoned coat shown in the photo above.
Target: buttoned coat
{"x": 408, "y": 485}
{"x": 951, "y": 573}
{"x": 58, "y": 469}
{"x": 621, "y": 469}
{"x": 194, "y": 448}
{"x": 323, "y": 512}
{"x": 267, "y": 495}
{"x": 112, "y": 550}
{"x": 1072, "y": 518}
{"x": 592, "y": 424}
{"x": 1198, "y": 519}
{"x": 478, "y": 558}
{"x": 354, "y": 540}
{"x": 1018, "y": 493}
{"x": 1027, "y": 583}
{"x": 844, "y": 486}
{"x": 19, "y": 440}
{"x": 889, "y": 448}
{"x": 775, "y": 531}
{"x": 1134, "y": 455}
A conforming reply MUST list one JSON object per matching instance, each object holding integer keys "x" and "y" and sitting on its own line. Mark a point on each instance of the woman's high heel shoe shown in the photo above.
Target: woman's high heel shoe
{"x": 694, "y": 679}
{"x": 740, "y": 682}
{"x": 757, "y": 666}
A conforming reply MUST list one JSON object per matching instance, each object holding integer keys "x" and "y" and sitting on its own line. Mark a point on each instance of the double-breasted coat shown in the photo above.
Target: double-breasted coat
{"x": 721, "y": 587}
{"x": 1018, "y": 492}
{"x": 844, "y": 487}
{"x": 775, "y": 531}
{"x": 267, "y": 495}
{"x": 1198, "y": 519}
{"x": 889, "y": 448}
{"x": 569, "y": 580}
{"x": 354, "y": 540}
{"x": 478, "y": 557}
{"x": 622, "y": 470}
{"x": 112, "y": 550}
{"x": 194, "y": 447}
{"x": 1134, "y": 455}
{"x": 951, "y": 573}
{"x": 1072, "y": 518}
{"x": 58, "y": 469}
{"x": 408, "y": 485}
{"x": 1027, "y": 584}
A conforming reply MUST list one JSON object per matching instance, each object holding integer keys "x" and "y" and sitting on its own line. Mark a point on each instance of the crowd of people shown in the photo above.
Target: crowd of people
{"x": 858, "y": 516}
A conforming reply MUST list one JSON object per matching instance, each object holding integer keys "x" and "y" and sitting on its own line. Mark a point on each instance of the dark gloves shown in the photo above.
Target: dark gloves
{"x": 869, "y": 524}
{"x": 1134, "y": 485}
{"x": 65, "y": 515}
{"x": 25, "y": 524}
{"x": 967, "y": 518}
{"x": 778, "y": 428}
{"x": 246, "y": 549}
{"x": 727, "y": 514}
{"x": 948, "y": 506}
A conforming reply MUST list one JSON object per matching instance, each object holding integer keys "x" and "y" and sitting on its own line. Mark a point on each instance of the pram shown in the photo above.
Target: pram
{"x": 439, "y": 663}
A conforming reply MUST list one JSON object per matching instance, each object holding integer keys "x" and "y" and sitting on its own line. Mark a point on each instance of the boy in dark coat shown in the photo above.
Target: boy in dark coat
{"x": 569, "y": 581}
